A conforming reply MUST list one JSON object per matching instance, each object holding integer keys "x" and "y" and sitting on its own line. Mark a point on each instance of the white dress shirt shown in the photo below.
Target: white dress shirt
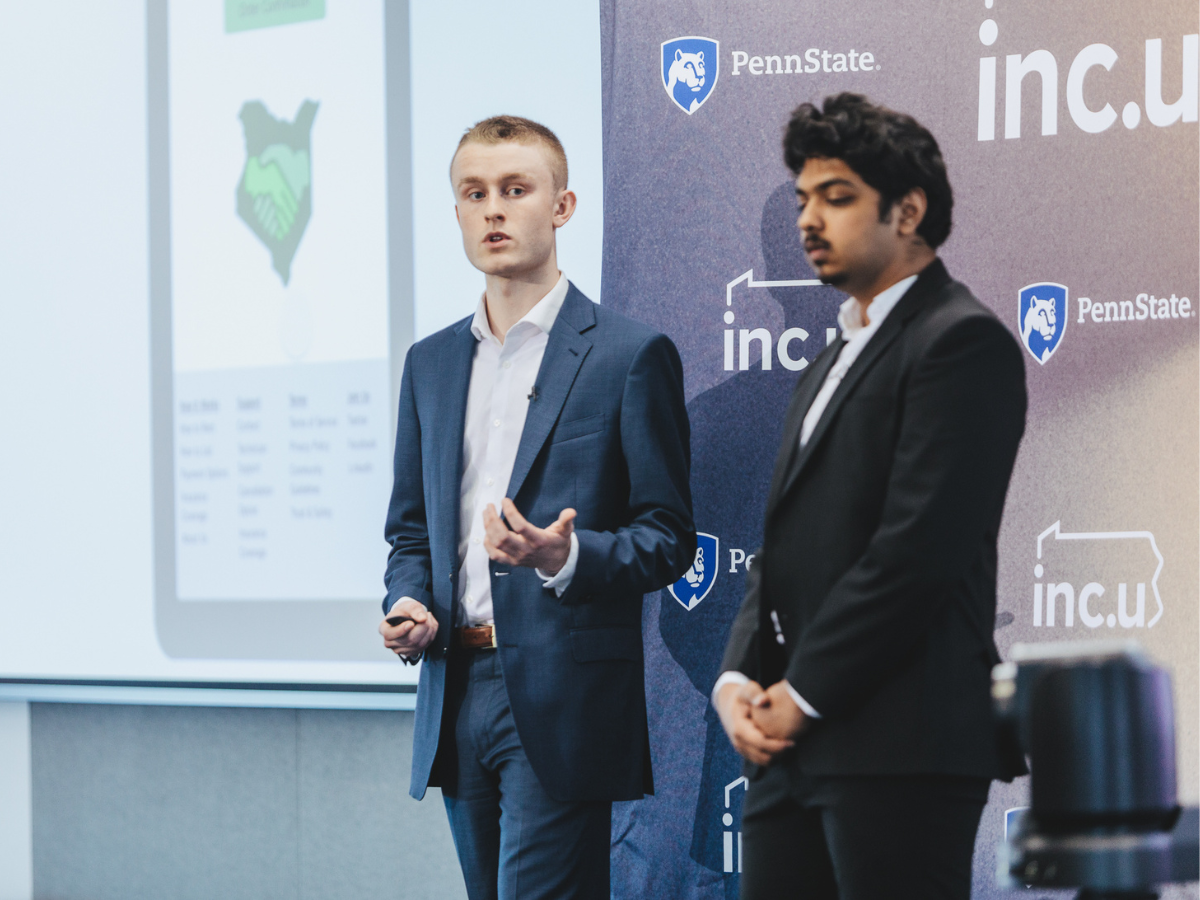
{"x": 856, "y": 336}
{"x": 503, "y": 374}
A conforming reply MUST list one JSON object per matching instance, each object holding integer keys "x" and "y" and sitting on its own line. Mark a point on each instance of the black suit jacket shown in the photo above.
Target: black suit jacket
{"x": 879, "y": 546}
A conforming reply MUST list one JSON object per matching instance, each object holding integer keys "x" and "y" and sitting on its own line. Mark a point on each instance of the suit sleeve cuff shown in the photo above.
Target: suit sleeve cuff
{"x": 405, "y": 592}
{"x": 730, "y": 677}
{"x": 562, "y": 580}
{"x": 398, "y": 599}
{"x": 799, "y": 701}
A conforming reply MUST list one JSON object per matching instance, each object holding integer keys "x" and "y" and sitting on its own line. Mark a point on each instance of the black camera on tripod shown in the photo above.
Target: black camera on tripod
{"x": 1097, "y": 723}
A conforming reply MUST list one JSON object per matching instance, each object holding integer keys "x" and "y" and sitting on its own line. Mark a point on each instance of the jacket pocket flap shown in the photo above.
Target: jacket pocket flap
{"x": 615, "y": 642}
{"x": 576, "y": 428}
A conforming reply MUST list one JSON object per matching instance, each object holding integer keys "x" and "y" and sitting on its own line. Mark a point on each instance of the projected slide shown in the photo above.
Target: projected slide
{"x": 280, "y": 356}
{"x": 209, "y": 284}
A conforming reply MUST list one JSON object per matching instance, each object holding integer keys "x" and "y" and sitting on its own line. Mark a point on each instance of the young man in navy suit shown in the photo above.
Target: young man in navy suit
{"x": 541, "y": 488}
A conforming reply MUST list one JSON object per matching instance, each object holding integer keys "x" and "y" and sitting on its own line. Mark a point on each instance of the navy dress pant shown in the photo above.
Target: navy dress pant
{"x": 866, "y": 838}
{"x": 514, "y": 841}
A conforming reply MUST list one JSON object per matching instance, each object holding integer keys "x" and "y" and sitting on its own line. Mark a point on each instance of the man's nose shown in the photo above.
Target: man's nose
{"x": 807, "y": 221}
{"x": 493, "y": 210}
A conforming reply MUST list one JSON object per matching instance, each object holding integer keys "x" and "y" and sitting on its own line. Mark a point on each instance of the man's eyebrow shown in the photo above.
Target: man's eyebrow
{"x": 831, "y": 182}
{"x": 825, "y": 185}
{"x": 479, "y": 179}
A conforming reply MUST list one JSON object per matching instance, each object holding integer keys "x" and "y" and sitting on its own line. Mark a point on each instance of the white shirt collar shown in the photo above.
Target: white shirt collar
{"x": 850, "y": 313}
{"x": 541, "y": 317}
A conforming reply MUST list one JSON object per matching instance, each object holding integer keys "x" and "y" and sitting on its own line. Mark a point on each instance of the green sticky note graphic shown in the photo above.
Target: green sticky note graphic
{"x": 246, "y": 15}
{"x": 274, "y": 196}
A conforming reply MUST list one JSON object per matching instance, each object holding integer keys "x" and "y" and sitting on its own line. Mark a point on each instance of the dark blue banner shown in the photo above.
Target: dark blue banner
{"x": 1051, "y": 191}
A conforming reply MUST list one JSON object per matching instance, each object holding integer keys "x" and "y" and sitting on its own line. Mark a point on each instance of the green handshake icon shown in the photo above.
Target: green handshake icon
{"x": 274, "y": 196}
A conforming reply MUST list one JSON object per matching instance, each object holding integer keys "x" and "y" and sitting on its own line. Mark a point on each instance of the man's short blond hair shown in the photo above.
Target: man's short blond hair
{"x": 501, "y": 129}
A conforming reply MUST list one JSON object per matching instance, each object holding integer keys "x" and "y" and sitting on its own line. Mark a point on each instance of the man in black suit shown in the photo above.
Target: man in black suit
{"x": 856, "y": 680}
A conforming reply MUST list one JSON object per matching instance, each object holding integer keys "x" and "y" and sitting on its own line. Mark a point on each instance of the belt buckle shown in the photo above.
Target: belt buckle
{"x": 494, "y": 645}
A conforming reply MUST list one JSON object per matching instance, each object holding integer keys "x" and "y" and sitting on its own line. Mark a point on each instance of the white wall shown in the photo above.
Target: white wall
{"x": 470, "y": 60}
{"x": 16, "y": 842}
{"x": 74, "y": 362}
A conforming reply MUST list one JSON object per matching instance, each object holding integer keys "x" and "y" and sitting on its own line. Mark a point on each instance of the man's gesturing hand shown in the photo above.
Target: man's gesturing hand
{"x": 776, "y": 713}
{"x": 521, "y": 544}
{"x": 734, "y": 706}
{"x": 409, "y": 638}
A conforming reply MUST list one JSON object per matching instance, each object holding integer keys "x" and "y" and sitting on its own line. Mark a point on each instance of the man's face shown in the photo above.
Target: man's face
{"x": 508, "y": 206}
{"x": 844, "y": 240}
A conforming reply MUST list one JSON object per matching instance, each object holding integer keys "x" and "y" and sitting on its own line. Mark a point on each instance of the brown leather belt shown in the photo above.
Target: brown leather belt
{"x": 481, "y": 637}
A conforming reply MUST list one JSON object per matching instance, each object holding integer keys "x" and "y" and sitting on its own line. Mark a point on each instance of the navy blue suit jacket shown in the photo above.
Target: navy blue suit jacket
{"x": 607, "y": 435}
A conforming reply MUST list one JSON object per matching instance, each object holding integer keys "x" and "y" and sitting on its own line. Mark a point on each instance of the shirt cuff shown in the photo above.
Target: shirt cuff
{"x": 562, "y": 580}
{"x": 733, "y": 677}
{"x": 730, "y": 677}
{"x": 398, "y": 599}
{"x": 801, "y": 702}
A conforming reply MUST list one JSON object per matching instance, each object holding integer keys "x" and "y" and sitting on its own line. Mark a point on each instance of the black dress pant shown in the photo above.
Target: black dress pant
{"x": 863, "y": 838}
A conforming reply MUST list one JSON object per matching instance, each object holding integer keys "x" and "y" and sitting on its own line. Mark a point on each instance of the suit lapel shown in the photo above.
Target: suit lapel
{"x": 916, "y": 298}
{"x": 449, "y": 439}
{"x": 565, "y": 351}
{"x": 802, "y": 399}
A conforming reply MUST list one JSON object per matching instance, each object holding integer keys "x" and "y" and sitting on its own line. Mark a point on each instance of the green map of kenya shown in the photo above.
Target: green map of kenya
{"x": 274, "y": 196}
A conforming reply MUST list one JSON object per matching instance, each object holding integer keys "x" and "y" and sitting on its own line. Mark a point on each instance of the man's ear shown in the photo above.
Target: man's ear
{"x": 564, "y": 208}
{"x": 457, "y": 217}
{"x": 910, "y": 211}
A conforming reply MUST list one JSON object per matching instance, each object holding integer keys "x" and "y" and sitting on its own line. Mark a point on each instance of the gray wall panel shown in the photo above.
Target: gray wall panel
{"x": 173, "y": 802}
{"x": 361, "y": 835}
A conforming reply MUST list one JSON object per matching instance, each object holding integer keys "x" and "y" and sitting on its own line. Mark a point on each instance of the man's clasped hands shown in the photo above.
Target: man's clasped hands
{"x": 760, "y": 723}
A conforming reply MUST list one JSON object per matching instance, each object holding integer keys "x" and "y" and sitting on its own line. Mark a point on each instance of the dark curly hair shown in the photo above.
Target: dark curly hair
{"x": 890, "y": 151}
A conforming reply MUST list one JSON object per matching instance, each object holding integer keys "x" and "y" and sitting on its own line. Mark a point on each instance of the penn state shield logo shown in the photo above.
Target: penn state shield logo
{"x": 1042, "y": 318}
{"x": 700, "y": 578}
{"x": 690, "y": 66}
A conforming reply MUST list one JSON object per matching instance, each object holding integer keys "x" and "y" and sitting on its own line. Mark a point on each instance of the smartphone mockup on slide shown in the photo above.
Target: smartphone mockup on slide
{"x": 280, "y": 255}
